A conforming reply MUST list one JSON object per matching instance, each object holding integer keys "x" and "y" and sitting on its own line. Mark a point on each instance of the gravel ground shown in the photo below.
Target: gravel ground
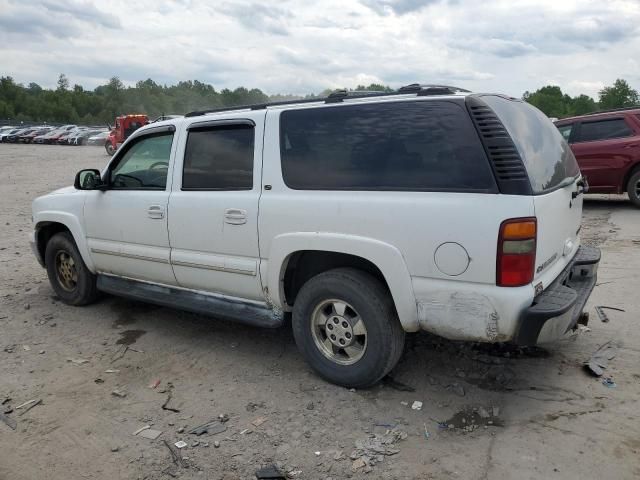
{"x": 487, "y": 413}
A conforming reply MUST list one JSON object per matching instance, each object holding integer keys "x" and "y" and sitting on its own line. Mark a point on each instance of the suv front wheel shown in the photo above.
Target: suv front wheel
{"x": 346, "y": 326}
{"x": 633, "y": 188}
{"x": 69, "y": 276}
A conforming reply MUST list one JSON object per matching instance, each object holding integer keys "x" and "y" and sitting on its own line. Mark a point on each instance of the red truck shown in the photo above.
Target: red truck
{"x": 607, "y": 147}
{"x": 124, "y": 126}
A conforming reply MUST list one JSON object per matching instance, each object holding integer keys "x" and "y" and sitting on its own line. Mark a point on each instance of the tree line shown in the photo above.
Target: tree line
{"x": 66, "y": 104}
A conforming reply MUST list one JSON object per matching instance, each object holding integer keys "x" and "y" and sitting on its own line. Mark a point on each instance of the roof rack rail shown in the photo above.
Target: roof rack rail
{"x": 611, "y": 110}
{"x": 340, "y": 95}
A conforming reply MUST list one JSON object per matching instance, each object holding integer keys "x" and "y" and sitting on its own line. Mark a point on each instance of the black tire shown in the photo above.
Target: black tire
{"x": 633, "y": 188}
{"x": 109, "y": 148}
{"x": 83, "y": 290}
{"x": 365, "y": 295}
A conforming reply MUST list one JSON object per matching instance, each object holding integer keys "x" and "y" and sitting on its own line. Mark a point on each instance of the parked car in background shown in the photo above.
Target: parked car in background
{"x": 98, "y": 139}
{"x": 29, "y": 136}
{"x": 13, "y": 138}
{"x": 607, "y": 148}
{"x": 45, "y": 138}
{"x": 4, "y": 136}
{"x": 83, "y": 137}
{"x": 6, "y": 128}
{"x": 71, "y": 137}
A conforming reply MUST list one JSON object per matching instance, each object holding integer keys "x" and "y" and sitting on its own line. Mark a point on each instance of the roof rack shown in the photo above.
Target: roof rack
{"x": 611, "y": 110}
{"x": 339, "y": 95}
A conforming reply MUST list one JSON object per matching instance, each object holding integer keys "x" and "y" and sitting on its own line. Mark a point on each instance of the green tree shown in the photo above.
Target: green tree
{"x": 619, "y": 95}
{"x": 63, "y": 83}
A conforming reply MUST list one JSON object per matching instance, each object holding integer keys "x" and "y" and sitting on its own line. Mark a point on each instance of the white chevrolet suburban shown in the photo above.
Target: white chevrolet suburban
{"x": 364, "y": 215}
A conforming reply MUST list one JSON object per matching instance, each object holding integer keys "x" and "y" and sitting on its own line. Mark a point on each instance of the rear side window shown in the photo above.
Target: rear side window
{"x": 565, "y": 131}
{"x": 545, "y": 153}
{"x": 413, "y": 146}
{"x": 604, "y": 130}
{"x": 219, "y": 158}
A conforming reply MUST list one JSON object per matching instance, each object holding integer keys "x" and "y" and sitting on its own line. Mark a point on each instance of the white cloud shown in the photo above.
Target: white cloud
{"x": 294, "y": 46}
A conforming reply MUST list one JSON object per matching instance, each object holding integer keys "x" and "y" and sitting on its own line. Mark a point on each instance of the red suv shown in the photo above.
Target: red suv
{"x": 607, "y": 147}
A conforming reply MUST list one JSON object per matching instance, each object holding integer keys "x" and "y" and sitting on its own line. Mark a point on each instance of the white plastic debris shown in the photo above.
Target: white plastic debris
{"x": 416, "y": 405}
{"x": 180, "y": 444}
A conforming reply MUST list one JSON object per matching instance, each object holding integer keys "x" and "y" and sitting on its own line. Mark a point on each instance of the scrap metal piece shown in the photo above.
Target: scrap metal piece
{"x": 9, "y": 421}
{"x": 213, "y": 427}
{"x": 600, "y": 359}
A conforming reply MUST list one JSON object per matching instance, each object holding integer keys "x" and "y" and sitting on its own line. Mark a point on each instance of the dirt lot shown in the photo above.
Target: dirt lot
{"x": 538, "y": 414}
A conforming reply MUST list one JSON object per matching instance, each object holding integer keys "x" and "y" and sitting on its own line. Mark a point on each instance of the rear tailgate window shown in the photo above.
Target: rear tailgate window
{"x": 546, "y": 155}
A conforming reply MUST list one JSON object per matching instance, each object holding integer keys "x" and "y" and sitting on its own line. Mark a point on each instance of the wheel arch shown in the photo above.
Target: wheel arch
{"x": 50, "y": 223}
{"x": 320, "y": 252}
{"x": 627, "y": 176}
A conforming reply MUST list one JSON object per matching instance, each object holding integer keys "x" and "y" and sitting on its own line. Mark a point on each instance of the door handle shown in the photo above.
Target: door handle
{"x": 235, "y": 216}
{"x": 155, "y": 211}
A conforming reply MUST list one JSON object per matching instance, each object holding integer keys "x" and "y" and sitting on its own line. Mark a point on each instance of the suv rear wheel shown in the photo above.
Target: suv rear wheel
{"x": 68, "y": 275}
{"x": 633, "y": 188}
{"x": 346, "y": 326}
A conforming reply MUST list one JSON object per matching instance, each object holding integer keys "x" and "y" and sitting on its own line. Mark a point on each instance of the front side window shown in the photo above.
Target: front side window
{"x": 604, "y": 130}
{"x": 144, "y": 164}
{"x": 219, "y": 158}
{"x": 406, "y": 146}
{"x": 565, "y": 131}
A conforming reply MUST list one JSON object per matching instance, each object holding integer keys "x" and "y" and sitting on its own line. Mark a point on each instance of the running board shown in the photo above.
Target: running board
{"x": 228, "y": 308}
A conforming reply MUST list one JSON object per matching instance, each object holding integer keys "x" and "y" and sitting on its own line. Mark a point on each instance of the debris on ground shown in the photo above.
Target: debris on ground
{"x": 120, "y": 353}
{"x": 146, "y": 427}
{"x": 176, "y": 457}
{"x": 259, "y": 421}
{"x": 604, "y": 318}
{"x": 115, "y": 449}
{"x": 111, "y": 370}
{"x": 154, "y": 384}
{"x": 28, "y": 402}
{"x": 417, "y": 405}
{"x": 246, "y": 431}
{"x": 169, "y": 391}
{"x": 118, "y": 393}
{"x": 600, "y": 359}
{"x": 375, "y": 447}
{"x": 426, "y": 432}
{"x": 270, "y": 473}
{"x": 11, "y": 423}
{"x": 253, "y": 406}
{"x": 223, "y": 417}
{"x": 213, "y": 428}
{"x": 150, "y": 433}
{"x": 77, "y": 361}
{"x": 180, "y": 444}
{"x": 470, "y": 419}
{"x": 396, "y": 385}
{"x": 609, "y": 383}
{"x": 216, "y": 444}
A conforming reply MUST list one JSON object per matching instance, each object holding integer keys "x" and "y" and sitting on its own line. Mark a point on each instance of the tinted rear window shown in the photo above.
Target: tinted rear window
{"x": 545, "y": 153}
{"x": 603, "y": 130}
{"x": 415, "y": 146}
{"x": 219, "y": 158}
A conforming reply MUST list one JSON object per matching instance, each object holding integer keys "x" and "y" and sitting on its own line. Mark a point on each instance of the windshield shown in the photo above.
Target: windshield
{"x": 546, "y": 155}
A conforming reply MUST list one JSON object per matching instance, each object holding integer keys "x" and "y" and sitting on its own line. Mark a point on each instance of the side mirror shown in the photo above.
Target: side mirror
{"x": 88, "y": 179}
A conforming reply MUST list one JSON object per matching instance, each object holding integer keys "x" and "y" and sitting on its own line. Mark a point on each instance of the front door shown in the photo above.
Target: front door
{"x": 126, "y": 225}
{"x": 213, "y": 208}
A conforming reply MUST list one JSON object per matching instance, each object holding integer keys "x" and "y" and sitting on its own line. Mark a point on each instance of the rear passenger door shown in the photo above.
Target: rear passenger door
{"x": 213, "y": 208}
{"x": 603, "y": 149}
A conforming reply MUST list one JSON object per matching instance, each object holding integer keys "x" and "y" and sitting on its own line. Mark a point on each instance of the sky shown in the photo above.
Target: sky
{"x": 302, "y": 47}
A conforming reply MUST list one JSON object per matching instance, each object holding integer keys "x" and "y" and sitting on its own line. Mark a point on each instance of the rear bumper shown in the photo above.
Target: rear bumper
{"x": 556, "y": 310}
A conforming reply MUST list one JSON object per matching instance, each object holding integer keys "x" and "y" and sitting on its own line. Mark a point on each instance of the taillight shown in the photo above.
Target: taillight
{"x": 516, "y": 252}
